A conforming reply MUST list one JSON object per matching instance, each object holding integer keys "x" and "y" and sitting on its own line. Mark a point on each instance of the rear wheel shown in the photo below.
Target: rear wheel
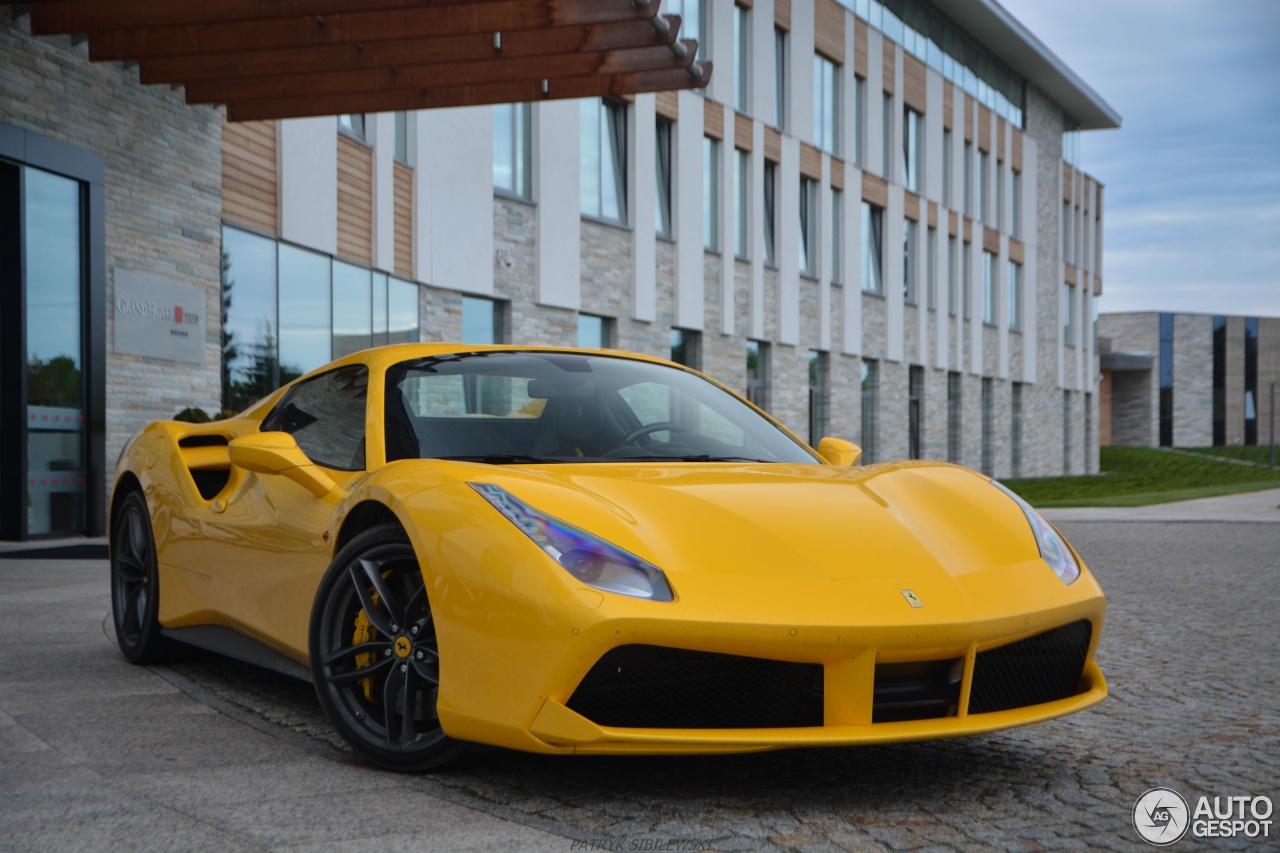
{"x": 135, "y": 584}
{"x": 374, "y": 656}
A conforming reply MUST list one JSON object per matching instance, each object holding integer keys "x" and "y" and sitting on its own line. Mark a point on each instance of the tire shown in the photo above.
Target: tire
{"x": 374, "y": 653}
{"x": 135, "y": 584}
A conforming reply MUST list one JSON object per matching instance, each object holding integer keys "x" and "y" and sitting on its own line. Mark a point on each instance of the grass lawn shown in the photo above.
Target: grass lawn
{"x": 1136, "y": 476}
{"x": 1254, "y": 453}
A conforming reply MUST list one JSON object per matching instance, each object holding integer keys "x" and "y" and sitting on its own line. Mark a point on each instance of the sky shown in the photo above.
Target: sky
{"x": 1192, "y": 204}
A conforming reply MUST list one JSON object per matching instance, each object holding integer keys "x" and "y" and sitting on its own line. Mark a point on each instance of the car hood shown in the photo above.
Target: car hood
{"x": 890, "y": 521}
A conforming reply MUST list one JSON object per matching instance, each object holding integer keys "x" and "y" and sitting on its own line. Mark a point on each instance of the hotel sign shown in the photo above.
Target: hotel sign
{"x": 158, "y": 318}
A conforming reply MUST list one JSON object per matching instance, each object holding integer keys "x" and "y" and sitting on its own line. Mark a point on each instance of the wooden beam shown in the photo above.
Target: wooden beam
{"x": 473, "y": 16}
{"x": 472, "y": 47}
{"x": 515, "y": 91}
{"x": 439, "y": 75}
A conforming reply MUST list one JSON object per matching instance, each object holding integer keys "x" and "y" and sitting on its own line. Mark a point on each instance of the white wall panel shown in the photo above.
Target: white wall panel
{"x": 555, "y": 187}
{"x": 788, "y": 207}
{"x": 455, "y": 148}
{"x": 852, "y": 277}
{"x": 308, "y": 167}
{"x": 894, "y": 332}
{"x": 686, "y": 188}
{"x": 643, "y": 190}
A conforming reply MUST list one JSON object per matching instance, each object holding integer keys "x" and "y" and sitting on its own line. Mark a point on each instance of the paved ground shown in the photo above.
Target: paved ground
{"x": 97, "y": 754}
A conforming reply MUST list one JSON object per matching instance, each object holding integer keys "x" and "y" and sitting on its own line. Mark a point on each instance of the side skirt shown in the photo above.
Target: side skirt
{"x": 233, "y": 644}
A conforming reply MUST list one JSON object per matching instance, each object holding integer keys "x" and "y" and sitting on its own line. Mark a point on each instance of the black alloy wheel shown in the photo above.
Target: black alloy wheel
{"x": 374, "y": 656}
{"x": 135, "y": 584}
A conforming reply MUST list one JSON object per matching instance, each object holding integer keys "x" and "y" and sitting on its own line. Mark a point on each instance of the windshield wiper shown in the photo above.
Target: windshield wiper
{"x": 501, "y": 459}
{"x": 698, "y": 457}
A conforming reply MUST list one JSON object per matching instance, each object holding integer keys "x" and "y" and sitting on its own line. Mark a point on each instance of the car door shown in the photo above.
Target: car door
{"x": 270, "y": 544}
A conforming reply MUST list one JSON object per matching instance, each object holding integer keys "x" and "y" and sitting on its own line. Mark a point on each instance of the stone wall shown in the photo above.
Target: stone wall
{"x": 162, "y": 194}
{"x": 1192, "y": 380}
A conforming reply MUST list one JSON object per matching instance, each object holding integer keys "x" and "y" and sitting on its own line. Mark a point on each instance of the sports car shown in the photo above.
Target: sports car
{"x": 586, "y": 551}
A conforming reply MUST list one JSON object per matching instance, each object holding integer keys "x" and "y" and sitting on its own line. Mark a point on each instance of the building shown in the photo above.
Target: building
{"x": 1188, "y": 380}
{"x": 869, "y": 220}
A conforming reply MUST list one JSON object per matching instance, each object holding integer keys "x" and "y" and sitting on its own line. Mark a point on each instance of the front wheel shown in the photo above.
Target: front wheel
{"x": 135, "y": 584}
{"x": 374, "y": 656}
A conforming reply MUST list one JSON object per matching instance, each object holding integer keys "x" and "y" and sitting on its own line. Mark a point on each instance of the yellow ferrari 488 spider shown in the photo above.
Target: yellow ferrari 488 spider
{"x": 567, "y": 551}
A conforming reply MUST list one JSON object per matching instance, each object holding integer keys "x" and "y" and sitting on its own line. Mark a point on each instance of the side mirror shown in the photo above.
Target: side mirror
{"x": 278, "y": 453}
{"x": 837, "y": 451}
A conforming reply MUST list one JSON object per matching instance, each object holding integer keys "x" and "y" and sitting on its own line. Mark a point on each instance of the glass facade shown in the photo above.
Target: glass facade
{"x": 594, "y": 332}
{"x": 741, "y": 204}
{"x": 288, "y": 310}
{"x": 931, "y": 268}
{"x": 770, "y": 217}
{"x": 686, "y": 348}
{"x": 400, "y": 128}
{"x": 826, "y": 104}
{"x": 481, "y": 321}
{"x": 662, "y": 172}
{"x": 947, "y": 172}
{"x": 953, "y": 264}
{"x": 872, "y": 248}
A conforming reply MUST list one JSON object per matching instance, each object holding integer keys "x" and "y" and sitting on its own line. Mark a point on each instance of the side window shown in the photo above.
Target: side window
{"x": 326, "y": 416}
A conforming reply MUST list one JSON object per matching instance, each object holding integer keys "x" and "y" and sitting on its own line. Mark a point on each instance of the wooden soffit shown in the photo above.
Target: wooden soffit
{"x": 268, "y": 59}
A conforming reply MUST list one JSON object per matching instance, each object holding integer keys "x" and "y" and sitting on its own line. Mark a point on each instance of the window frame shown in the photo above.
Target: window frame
{"x": 521, "y": 141}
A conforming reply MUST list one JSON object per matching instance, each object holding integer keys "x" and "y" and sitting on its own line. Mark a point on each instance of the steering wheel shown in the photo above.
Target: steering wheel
{"x": 656, "y": 426}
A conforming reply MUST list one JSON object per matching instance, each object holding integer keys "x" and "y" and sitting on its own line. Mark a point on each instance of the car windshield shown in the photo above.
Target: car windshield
{"x": 527, "y": 407}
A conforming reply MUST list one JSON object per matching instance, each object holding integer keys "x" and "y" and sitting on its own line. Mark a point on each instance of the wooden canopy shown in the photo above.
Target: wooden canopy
{"x": 269, "y": 59}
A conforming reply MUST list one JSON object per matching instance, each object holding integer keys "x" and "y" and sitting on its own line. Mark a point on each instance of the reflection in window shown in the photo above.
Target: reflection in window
{"x": 819, "y": 392}
{"x": 662, "y": 202}
{"x": 602, "y": 148}
{"x": 352, "y": 309}
{"x": 594, "y": 332}
{"x": 352, "y": 123}
{"x": 250, "y": 359}
{"x": 481, "y": 321}
{"x": 826, "y": 104}
{"x": 870, "y": 401}
{"x": 511, "y": 149}
{"x": 304, "y": 317}
{"x": 400, "y": 127}
{"x": 686, "y": 348}
{"x": 872, "y": 247}
{"x": 758, "y": 373}
{"x": 326, "y": 416}
{"x": 692, "y": 21}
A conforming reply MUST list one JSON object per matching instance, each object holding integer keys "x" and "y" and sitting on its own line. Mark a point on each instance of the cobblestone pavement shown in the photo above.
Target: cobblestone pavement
{"x": 1190, "y": 650}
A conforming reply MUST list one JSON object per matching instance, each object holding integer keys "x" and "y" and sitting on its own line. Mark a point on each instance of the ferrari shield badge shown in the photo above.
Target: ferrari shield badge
{"x": 912, "y": 598}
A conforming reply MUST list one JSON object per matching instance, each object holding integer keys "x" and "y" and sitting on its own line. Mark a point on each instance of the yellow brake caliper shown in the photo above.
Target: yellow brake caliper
{"x": 364, "y": 633}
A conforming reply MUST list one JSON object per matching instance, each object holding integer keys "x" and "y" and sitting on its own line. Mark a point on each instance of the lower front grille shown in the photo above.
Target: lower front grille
{"x": 922, "y": 690}
{"x": 654, "y": 687}
{"x": 1039, "y": 669}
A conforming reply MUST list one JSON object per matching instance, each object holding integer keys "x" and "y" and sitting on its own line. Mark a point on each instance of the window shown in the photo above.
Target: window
{"x": 1015, "y": 296}
{"x": 662, "y": 169}
{"x": 968, "y": 179}
{"x": 326, "y": 416}
{"x": 602, "y": 147}
{"x": 931, "y": 268}
{"x": 511, "y": 149}
{"x": 826, "y": 104}
{"x": 887, "y": 146}
{"x": 481, "y": 321}
{"x": 401, "y": 130}
{"x": 770, "y": 211}
{"x": 988, "y": 405}
{"x": 758, "y": 373}
{"x": 1251, "y": 380}
{"x": 909, "y": 261}
{"x": 693, "y": 21}
{"x": 808, "y": 226}
{"x": 859, "y": 118}
{"x": 1166, "y": 380}
{"x": 1219, "y": 380}
{"x": 870, "y": 395}
{"x": 352, "y": 124}
{"x": 352, "y": 309}
{"x": 686, "y": 348}
{"x": 1069, "y": 314}
{"x": 990, "y": 299}
{"x": 1015, "y": 430}
{"x": 780, "y": 78}
{"x": 741, "y": 204}
{"x": 594, "y": 332}
{"x": 401, "y": 323}
{"x": 966, "y": 280}
{"x": 1000, "y": 223}
{"x": 912, "y": 150}
{"x": 1015, "y": 205}
{"x": 953, "y": 269}
{"x": 915, "y": 412}
{"x": 250, "y": 359}
{"x": 953, "y": 417}
{"x": 305, "y": 328}
{"x": 872, "y": 247}
{"x": 742, "y": 59}
{"x": 819, "y": 391}
{"x": 983, "y": 199}
{"x": 835, "y": 235}
{"x": 1068, "y": 256}
{"x": 1066, "y": 432}
{"x": 711, "y": 193}
{"x": 946, "y": 168}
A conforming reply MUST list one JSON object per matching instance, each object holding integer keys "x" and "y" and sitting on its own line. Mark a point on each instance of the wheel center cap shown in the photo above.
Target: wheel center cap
{"x": 403, "y": 647}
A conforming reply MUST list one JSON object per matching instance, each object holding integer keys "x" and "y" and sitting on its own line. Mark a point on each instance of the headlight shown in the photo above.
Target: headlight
{"x": 588, "y": 558}
{"x": 1053, "y": 548}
